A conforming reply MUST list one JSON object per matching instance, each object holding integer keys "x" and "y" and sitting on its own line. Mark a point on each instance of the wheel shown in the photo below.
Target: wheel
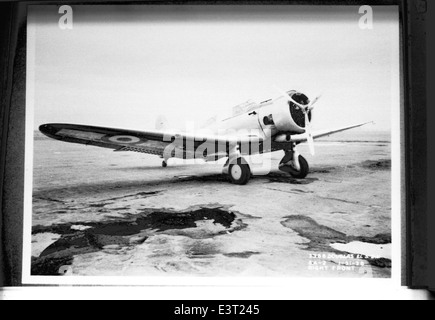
{"x": 164, "y": 164}
{"x": 239, "y": 172}
{"x": 304, "y": 169}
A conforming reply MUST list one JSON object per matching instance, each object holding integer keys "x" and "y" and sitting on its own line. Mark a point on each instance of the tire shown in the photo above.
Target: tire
{"x": 164, "y": 164}
{"x": 239, "y": 172}
{"x": 303, "y": 172}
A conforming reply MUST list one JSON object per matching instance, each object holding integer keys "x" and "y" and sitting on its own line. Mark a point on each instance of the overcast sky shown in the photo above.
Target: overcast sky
{"x": 124, "y": 66}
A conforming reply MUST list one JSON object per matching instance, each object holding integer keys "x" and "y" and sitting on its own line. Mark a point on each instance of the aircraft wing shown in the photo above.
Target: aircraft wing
{"x": 151, "y": 142}
{"x": 300, "y": 138}
{"x": 324, "y": 133}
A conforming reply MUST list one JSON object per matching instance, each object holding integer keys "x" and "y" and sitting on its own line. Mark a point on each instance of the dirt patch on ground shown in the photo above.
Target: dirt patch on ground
{"x": 272, "y": 177}
{"x": 286, "y": 178}
{"x": 377, "y": 165}
{"x": 93, "y": 237}
{"x": 321, "y": 237}
{"x": 242, "y": 255}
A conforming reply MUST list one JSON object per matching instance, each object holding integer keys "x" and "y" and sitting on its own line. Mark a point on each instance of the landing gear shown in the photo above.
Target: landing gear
{"x": 238, "y": 171}
{"x": 164, "y": 164}
{"x": 298, "y": 171}
{"x": 294, "y": 164}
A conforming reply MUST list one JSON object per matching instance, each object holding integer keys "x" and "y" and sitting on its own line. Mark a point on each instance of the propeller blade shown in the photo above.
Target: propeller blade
{"x": 311, "y": 106}
{"x": 310, "y": 138}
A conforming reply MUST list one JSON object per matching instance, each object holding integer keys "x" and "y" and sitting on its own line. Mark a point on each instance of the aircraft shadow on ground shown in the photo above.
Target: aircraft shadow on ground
{"x": 174, "y": 176}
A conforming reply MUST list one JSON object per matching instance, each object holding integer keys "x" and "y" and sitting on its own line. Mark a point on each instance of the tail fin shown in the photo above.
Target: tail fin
{"x": 161, "y": 123}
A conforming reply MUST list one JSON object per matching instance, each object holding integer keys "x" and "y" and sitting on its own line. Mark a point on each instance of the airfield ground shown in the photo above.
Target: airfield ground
{"x": 96, "y": 212}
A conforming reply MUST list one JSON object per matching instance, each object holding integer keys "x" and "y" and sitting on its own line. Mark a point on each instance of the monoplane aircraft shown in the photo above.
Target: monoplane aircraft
{"x": 254, "y": 128}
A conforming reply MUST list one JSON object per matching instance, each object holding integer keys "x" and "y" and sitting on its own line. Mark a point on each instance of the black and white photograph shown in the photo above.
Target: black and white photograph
{"x": 212, "y": 142}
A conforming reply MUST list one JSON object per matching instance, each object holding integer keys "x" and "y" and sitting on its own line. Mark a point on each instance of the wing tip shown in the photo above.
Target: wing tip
{"x": 46, "y": 129}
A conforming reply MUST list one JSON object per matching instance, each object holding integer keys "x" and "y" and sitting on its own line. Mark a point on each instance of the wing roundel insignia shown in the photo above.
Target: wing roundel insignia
{"x": 124, "y": 139}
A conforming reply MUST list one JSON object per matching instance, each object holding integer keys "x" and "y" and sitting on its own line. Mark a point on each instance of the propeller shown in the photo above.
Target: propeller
{"x": 306, "y": 109}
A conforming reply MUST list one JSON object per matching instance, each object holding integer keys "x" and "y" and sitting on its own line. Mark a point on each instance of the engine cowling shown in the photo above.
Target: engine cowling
{"x": 284, "y": 116}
